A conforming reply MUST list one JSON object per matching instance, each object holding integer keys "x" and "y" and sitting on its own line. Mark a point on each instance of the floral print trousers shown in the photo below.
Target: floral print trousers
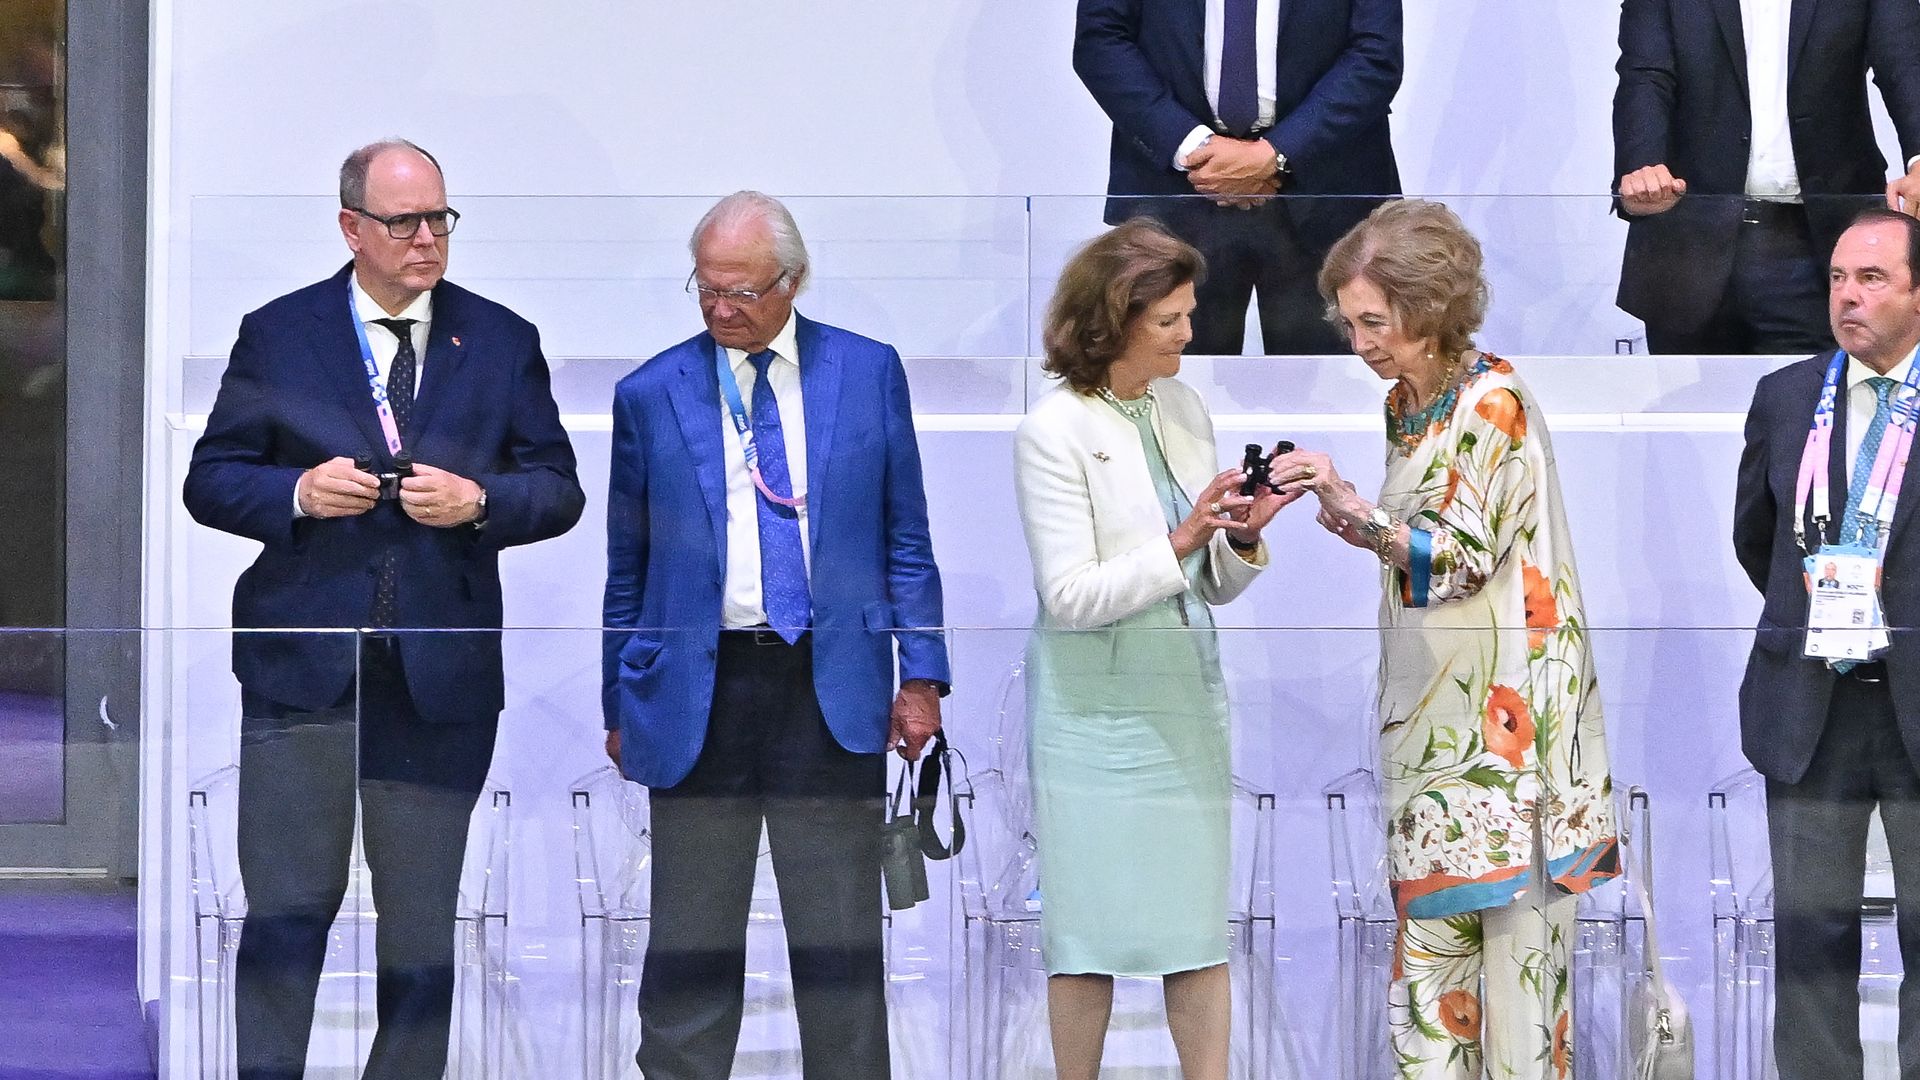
{"x": 1492, "y": 987}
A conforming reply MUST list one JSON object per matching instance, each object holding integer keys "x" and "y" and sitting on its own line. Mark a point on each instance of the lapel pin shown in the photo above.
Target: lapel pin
{"x": 1100, "y": 455}
{"x": 456, "y": 342}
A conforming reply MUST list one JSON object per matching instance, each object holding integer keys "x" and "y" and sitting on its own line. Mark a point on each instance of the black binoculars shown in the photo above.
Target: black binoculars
{"x": 1259, "y": 467}
{"x": 389, "y": 481}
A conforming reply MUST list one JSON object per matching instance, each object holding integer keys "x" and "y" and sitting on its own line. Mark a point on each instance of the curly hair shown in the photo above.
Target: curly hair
{"x": 1106, "y": 284}
{"x": 1426, "y": 262}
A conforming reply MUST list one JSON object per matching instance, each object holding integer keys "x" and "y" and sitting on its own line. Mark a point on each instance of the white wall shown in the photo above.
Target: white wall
{"x": 608, "y": 101}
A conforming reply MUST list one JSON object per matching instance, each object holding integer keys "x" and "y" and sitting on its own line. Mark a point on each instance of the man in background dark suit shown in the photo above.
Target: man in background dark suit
{"x": 404, "y": 721}
{"x": 1742, "y": 146}
{"x": 1228, "y": 102}
{"x": 1835, "y": 740}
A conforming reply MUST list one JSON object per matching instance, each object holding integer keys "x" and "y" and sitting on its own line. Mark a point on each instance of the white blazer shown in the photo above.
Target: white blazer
{"x": 1095, "y": 527}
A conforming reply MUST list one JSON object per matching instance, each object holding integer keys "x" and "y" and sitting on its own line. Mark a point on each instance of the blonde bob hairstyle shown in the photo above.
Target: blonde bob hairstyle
{"x": 1426, "y": 262}
{"x": 1104, "y": 287}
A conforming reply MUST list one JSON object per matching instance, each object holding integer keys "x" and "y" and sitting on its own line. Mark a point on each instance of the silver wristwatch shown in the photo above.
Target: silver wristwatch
{"x": 1381, "y": 530}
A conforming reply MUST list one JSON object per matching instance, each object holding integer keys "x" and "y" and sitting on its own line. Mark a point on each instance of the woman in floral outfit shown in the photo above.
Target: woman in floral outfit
{"x": 1493, "y": 755}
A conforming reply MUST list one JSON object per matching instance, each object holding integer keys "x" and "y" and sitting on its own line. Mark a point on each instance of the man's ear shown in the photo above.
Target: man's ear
{"x": 350, "y": 229}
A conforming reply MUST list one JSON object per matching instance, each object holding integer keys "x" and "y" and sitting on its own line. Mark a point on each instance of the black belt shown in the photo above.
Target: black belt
{"x": 758, "y": 635}
{"x": 1772, "y": 212}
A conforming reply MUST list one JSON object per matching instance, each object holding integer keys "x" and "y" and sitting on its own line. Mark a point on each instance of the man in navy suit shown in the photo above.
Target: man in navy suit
{"x": 1742, "y": 146}
{"x": 382, "y": 362}
{"x": 767, "y": 548}
{"x": 1834, "y": 740}
{"x": 1227, "y": 102}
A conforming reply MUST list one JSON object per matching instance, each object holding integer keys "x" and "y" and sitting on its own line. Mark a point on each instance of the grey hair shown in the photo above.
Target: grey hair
{"x": 789, "y": 250}
{"x": 353, "y": 171}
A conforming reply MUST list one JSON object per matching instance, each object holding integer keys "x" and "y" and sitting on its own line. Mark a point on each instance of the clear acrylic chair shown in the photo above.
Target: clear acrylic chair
{"x": 1608, "y": 950}
{"x": 343, "y": 1014}
{"x": 1743, "y": 937}
{"x": 1004, "y": 1033}
{"x": 613, "y": 858}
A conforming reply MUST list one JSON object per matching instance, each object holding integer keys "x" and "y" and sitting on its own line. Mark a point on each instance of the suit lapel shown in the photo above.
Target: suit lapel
{"x": 1727, "y": 14}
{"x": 1909, "y": 493}
{"x": 695, "y": 394}
{"x": 446, "y": 349}
{"x": 337, "y": 353}
{"x": 820, "y": 372}
{"x": 1799, "y": 26}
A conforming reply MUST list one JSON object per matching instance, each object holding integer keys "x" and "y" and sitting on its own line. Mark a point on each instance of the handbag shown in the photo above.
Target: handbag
{"x": 1659, "y": 1031}
{"x": 908, "y": 835}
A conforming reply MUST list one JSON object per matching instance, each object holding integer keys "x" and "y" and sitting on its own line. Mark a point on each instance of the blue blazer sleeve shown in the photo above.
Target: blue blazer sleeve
{"x": 232, "y": 483}
{"x": 1356, "y": 92}
{"x": 537, "y": 495}
{"x": 626, "y": 546}
{"x": 913, "y": 581}
{"x": 1108, "y": 58}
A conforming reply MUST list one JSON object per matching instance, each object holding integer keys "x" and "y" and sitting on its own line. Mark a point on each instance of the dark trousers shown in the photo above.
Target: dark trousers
{"x": 768, "y": 756}
{"x": 1252, "y": 255}
{"x": 417, "y": 784}
{"x": 1776, "y": 300}
{"x": 1817, "y": 830}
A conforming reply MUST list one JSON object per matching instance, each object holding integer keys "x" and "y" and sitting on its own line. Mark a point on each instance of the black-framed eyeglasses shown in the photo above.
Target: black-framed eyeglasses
{"x": 732, "y": 296}
{"x": 403, "y": 226}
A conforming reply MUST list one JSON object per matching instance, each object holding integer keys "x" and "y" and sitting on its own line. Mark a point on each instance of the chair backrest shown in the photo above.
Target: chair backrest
{"x": 1740, "y": 862}
{"x": 213, "y": 846}
{"x": 1357, "y": 835}
{"x": 1007, "y": 747}
{"x": 612, "y": 846}
{"x": 483, "y": 877}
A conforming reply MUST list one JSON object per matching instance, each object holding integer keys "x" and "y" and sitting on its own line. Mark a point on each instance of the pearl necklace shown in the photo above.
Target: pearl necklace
{"x": 1138, "y": 408}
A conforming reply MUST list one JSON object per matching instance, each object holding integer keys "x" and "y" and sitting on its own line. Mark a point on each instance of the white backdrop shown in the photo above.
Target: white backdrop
{"x": 611, "y": 101}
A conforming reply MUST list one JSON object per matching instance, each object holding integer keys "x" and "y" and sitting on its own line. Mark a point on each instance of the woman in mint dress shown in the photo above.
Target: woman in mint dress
{"x": 1134, "y": 532}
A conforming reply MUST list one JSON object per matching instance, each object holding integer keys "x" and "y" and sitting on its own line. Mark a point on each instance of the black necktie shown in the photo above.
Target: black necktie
{"x": 400, "y": 376}
{"x": 1239, "y": 104}
{"x": 386, "y": 600}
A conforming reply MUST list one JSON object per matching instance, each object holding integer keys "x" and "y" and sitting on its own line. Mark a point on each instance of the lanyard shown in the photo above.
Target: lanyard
{"x": 1885, "y": 475}
{"x": 388, "y": 425}
{"x": 742, "y": 427}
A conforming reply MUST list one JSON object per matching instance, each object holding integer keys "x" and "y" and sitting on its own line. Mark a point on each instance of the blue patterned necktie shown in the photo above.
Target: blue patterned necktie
{"x": 1852, "y": 525}
{"x": 783, "y": 568}
{"x": 1239, "y": 105}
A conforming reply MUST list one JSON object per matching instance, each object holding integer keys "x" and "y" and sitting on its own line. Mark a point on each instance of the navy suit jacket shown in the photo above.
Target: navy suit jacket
{"x": 1339, "y": 66}
{"x": 294, "y": 395}
{"x": 872, "y": 574}
{"x": 1682, "y": 102}
{"x": 1784, "y": 697}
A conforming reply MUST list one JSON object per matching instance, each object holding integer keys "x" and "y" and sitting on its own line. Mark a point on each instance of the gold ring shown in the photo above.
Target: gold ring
{"x": 1216, "y": 508}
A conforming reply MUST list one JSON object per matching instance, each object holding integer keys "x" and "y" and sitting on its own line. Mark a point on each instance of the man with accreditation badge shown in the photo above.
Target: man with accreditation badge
{"x": 1830, "y": 706}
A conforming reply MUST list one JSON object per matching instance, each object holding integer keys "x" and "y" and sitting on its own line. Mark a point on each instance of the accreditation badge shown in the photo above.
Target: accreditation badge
{"x": 1844, "y": 618}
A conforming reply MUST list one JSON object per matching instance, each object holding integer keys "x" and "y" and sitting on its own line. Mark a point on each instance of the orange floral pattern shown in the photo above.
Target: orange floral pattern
{"x": 1460, "y": 1014}
{"x": 1508, "y": 727}
{"x": 1501, "y": 408}
{"x": 1543, "y": 614}
{"x": 1562, "y": 1049}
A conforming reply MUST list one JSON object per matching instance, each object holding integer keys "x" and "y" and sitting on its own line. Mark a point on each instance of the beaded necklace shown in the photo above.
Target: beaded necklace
{"x": 1407, "y": 432}
{"x": 1137, "y": 408}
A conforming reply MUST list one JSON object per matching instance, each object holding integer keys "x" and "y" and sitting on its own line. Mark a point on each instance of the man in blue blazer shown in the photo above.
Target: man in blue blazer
{"x": 1218, "y": 104}
{"x": 767, "y": 548}
{"x": 1835, "y": 740}
{"x": 327, "y": 388}
{"x": 1743, "y": 144}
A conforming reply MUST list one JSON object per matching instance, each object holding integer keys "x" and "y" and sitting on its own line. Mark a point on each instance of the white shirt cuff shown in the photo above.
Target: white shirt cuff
{"x": 1189, "y": 144}
{"x": 1911, "y": 160}
{"x": 298, "y": 513}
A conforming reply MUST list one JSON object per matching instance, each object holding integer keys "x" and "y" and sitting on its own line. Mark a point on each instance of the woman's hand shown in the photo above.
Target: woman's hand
{"x": 1212, "y": 511}
{"x": 1267, "y": 502}
{"x": 1344, "y": 523}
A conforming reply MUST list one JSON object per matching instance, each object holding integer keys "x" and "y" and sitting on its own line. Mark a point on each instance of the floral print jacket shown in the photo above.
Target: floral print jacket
{"x": 1490, "y": 723}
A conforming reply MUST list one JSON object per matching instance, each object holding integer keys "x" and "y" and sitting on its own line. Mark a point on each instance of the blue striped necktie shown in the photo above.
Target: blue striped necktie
{"x": 1852, "y": 525}
{"x": 783, "y": 567}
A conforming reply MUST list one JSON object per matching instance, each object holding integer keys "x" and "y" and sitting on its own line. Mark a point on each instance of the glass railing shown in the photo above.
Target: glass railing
{"x": 250, "y": 817}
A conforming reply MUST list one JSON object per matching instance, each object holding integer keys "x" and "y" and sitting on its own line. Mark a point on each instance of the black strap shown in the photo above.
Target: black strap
{"x": 926, "y": 800}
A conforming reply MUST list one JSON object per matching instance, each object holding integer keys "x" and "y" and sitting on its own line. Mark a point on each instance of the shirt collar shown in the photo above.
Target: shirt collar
{"x": 784, "y": 346}
{"x": 369, "y": 309}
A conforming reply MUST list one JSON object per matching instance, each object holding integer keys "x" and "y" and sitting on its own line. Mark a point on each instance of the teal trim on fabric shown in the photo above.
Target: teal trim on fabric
{"x": 1480, "y": 895}
{"x": 1419, "y": 566}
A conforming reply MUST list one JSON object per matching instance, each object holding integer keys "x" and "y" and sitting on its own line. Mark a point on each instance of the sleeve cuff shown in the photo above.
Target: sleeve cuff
{"x": 1188, "y": 145}
{"x": 1419, "y": 566}
{"x": 1911, "y": 161}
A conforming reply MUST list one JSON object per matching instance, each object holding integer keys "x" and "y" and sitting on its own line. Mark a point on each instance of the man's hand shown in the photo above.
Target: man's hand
{"x": 613, "y": 747}
{"x": 1654, "y": 190}
{"x": 1904, "y": 194}
{"x": 336, "y": 489}
{"x": 439, "y": 498}
{"x": 1236, "y": 172}
{"x": 916, "y": 716}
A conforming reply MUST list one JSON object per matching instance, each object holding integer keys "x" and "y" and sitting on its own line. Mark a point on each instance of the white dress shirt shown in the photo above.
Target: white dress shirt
{"x": 1771, "y": 170}
{"x": 1861, "y": 403}
{"x": 1266, "y": 51}
{"x": 385, "y": 346}
{"x": 741, "y": 604}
